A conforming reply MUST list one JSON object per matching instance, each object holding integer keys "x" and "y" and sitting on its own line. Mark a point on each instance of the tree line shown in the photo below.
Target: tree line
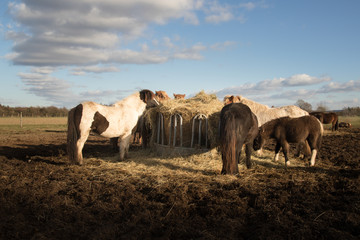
{"x": 6, "y": 111}
{"x": 346, "y": 111}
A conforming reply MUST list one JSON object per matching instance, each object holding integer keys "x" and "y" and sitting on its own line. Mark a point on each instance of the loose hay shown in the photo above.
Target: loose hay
{"x": 202, "y": 103}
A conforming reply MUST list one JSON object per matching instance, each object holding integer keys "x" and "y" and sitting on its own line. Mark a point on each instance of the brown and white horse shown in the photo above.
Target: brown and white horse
{"x": 117, "y": 120}
{"x": 287, "y": 130}
{"x": 238, "y": 126}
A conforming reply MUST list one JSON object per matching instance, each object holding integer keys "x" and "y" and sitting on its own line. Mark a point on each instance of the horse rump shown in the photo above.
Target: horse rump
{"x": 73, "y": 133}
{"x": 236, "y": 127}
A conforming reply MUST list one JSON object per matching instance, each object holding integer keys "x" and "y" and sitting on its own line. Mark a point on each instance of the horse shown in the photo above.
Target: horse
{"x": 327, "y": 118}
{"x": 162, "y": 96}
{"x": 179, "y": 96}
{"x": 265, "y": 113}
{"x": 287, "y": 130}
{"x": 117, "y": 120}
{"x": 238, "y": 126}
{"x": 345, "y": 125}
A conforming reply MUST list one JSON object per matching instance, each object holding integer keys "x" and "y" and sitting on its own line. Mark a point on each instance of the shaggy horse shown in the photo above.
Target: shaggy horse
{"x": 265, "y": 113}
{"x": 287, "y": 130}
{"x": 179, "y": 96}
{"x": 161, "y": 96}
{"x": 113, "y": 121}
{"x": 345, "y": 125}
{"x": 238, "y": 126}
{"x": 327, "y": 118}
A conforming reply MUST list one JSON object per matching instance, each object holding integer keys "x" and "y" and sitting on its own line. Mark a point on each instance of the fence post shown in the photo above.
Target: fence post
{"x": 21, "y": 124}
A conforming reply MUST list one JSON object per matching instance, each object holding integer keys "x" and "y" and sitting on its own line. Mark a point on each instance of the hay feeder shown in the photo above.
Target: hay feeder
{"x": 185, "y": 127}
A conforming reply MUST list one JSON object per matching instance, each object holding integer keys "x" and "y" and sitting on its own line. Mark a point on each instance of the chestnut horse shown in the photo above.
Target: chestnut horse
{"x": 162, "y": 96}
{"x": 179, "y": 96}
{"x": 327, "y": 118}
{"x": 113, "y": 121}
{"x": 287, "y": 130}
{"x": 238, "y": 126}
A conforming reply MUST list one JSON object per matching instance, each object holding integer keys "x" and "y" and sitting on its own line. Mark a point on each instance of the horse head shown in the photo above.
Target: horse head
{"x": 179, "y": 96}
{"x": 259, "y": 139}
{"x": 149, "y": 98}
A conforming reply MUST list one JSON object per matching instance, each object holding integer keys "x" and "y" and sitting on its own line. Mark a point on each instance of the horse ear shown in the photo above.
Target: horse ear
{"x": 144, "y": 96}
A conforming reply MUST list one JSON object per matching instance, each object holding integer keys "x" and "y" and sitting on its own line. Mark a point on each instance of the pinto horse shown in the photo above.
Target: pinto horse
{"x": 238, "y": 126}
{"x": 287, "y": 130}
{"x": 327, "y": 118}
{"x": 113, "y": 121}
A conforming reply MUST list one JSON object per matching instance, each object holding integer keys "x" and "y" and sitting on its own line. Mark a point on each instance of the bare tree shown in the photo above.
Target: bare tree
{"x": 304, "y": 105}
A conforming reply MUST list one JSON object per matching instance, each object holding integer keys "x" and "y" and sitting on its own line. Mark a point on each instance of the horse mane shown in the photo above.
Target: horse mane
{"x": 129, "y": 101}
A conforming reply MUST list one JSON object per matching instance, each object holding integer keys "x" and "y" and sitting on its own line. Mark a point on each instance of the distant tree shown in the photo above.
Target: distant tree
{"x": 350, "y": 111}
{"x": 321, "y": 107}
{"x": 304, "y": 105}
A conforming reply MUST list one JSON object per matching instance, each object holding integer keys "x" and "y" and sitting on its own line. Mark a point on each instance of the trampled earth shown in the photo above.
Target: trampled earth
{"x": 149, "y": 197}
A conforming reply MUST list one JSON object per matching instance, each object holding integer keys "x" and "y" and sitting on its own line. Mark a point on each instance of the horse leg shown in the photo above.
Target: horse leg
{"x": 312, "y": 142}
{"x": 80, "y": 145}
{"x": 313, "y": 156}
{"x": 248, "y": 151}
{"x": 285, "y": 147}
{"x": 277, "y": 151}
{"x": 124, "y": 146}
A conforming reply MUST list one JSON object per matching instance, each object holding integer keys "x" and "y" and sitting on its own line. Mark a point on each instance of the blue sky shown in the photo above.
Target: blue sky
{"x": 274, "y": 52}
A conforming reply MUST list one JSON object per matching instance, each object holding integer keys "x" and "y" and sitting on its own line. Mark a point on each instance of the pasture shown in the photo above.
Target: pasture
{"x": 146, "y": 196}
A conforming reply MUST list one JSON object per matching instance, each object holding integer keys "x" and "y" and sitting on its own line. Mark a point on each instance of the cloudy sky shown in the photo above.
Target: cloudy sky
{"x": 272, "y": 51}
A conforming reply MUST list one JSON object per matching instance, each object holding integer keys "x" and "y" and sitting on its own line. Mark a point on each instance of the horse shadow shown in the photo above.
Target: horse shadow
{"x": 46, "y": 153}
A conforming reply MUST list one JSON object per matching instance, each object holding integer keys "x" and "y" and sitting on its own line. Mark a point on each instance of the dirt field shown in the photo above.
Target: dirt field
{"x": 147, "y": 197}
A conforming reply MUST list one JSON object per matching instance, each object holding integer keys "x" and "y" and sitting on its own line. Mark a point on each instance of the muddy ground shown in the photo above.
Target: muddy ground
{"x": 148, "y": 197}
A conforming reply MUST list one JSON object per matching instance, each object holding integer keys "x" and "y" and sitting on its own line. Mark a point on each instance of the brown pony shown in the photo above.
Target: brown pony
{"x": 345, "y": 125}
{"x": 161, "y": 96}
{"x": 287, "y": 130}
{"x": 179, "y": 96}
{"x": 327, "y": 118}
{"x": 238, "y": 126}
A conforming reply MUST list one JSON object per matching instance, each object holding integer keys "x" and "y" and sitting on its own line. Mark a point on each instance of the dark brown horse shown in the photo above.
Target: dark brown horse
{"x": 287, "y": 130}
{"x": 327, "y": 118}
{"x": 238, "y": 126}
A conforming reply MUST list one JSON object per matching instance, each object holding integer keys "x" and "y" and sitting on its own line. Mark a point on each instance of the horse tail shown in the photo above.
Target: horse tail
{"x": 319, "y": 139}
{"x": 228, "y": 145}
{"x": 72, "y": 136}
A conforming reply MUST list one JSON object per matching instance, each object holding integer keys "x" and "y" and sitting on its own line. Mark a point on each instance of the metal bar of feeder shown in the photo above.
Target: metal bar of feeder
{"x": 175, "y": 125}
{"x": 170, "y": 127}
{"x": 162, "y": 129}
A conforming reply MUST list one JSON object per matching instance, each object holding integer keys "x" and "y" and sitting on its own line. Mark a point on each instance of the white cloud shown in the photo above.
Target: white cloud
{"x": 94, "y": 69}
{"x": 304, "y": 79}
{"x": 350, "y": 86}
{"x": 219, "y": 13}
{"x": 277, "y": 88}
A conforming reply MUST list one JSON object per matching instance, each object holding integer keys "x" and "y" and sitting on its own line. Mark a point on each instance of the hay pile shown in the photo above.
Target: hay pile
{"x": 207, "y": 104}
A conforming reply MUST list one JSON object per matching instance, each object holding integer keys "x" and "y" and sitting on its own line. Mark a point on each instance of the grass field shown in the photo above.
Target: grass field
{"x": 354, "y": 120}
{"x": 32, "y": 124}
